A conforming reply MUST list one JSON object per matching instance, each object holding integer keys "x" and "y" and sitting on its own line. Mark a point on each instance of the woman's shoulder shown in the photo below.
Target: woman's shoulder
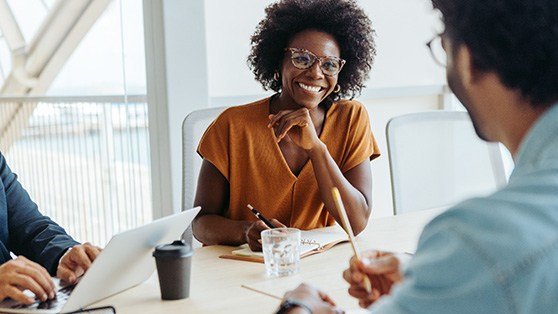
{"x": 232, "y": 115}
{"x": 255, "y": 107}
{"x": 349, "y": 107}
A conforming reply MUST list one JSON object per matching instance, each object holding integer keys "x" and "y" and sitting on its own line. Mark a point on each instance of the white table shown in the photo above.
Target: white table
{"x": 224, "y": 286}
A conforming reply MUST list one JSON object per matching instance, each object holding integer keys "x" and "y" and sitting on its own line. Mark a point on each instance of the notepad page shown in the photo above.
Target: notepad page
{"x": 320, "y": 238}
{"x": 316, "y": 239}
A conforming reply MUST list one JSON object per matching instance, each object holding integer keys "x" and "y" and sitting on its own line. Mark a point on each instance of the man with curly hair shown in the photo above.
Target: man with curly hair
{"x": 284, "y": 154}
{"x": 494, "y": 254}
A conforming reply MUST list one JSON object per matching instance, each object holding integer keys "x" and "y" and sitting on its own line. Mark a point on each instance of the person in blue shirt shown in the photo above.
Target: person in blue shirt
{"x": 495, "y": 254}
{"x": 42, "y": 248}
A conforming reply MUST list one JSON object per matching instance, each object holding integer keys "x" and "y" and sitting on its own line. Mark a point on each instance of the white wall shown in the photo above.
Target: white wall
{"x": 402, "y": 27}
{"x": 404, "y": 77}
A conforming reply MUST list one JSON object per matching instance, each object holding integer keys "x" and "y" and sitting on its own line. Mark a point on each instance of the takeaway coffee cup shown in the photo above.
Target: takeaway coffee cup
{"x": 173, "y": 267}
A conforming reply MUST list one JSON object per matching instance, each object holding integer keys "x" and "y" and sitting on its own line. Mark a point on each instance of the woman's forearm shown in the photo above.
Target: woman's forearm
{"x": 328, "y": 175}
{"x": 215, "y": 229}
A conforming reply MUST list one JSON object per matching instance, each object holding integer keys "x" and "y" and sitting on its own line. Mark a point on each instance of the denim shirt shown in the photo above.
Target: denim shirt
{"x": 23, "y": 229}
{"x": 497, "y": 254}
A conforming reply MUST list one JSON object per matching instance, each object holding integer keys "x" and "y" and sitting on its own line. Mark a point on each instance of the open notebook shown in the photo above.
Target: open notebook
{"x": 126, "y": 261}
{"x": 312, "y": 242}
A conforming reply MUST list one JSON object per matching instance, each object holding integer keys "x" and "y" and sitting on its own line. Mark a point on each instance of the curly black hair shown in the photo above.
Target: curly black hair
{"x": 343, "y": 19}
{"x": 517, "y": 39}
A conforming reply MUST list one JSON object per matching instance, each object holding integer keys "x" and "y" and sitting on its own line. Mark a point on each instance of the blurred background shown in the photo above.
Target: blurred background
{"x": 93, "y": 94}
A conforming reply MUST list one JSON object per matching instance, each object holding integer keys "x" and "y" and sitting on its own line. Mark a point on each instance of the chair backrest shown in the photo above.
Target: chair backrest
{"x": 193, "y": 127}
{"x": 436, "y": 160}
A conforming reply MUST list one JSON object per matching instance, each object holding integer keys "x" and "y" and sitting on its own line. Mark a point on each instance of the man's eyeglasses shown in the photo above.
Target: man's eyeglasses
{"x": 304, "y": 59}
{"x": 437, "y": 50}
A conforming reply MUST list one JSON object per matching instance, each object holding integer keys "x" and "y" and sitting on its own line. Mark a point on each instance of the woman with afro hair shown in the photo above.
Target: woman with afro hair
{"x": 284, "y": 154}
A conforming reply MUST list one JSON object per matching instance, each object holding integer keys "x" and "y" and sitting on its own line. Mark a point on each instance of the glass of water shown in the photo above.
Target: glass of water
{"x": 281, "y": 249}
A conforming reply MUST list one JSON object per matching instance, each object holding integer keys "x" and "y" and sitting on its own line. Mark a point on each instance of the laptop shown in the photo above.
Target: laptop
{"x": 125, "y": 262}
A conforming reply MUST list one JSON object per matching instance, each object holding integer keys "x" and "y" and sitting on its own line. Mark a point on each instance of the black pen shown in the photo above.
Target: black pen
{"x": 260, "y": 216}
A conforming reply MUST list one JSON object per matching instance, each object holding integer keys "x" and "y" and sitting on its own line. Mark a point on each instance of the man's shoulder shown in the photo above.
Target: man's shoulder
{"x": 501, "y": 212}
{"x": 487, "y": 252}
{"x": 500, "y": 231}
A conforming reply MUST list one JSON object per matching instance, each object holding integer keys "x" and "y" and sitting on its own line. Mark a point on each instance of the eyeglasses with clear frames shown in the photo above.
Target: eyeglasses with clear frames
{"x": 437, "y": 50}
{"x": 304, "y": 59}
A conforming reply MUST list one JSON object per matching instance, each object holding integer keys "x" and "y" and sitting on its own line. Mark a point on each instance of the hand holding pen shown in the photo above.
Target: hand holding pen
{"x": 252, "y": 233}
{"x": 260, "y": 216}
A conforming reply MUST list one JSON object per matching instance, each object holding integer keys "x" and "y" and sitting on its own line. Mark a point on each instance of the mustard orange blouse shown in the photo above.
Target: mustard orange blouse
{"x": 244, "y": 150}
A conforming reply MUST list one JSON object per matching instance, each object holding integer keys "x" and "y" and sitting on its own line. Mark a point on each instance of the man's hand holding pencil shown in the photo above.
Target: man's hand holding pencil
{"x": 382, "y": 269}
{"x": 371, "y": 274}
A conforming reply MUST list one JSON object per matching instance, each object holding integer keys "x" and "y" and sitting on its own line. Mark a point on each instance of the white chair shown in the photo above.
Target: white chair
{"x": 436, "y": 160}
{"x": 193, "y": 127}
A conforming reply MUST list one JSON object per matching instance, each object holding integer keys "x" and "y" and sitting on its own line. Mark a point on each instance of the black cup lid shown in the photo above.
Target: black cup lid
{"x": 177, "y": 248}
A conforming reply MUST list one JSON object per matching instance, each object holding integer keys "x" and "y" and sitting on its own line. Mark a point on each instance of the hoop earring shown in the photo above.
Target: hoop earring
{"x": 276, "y": 76}
{"x": 337, "y": 88}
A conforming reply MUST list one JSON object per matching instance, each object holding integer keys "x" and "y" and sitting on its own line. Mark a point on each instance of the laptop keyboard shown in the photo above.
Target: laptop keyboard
{"x": 58, "y": 301}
